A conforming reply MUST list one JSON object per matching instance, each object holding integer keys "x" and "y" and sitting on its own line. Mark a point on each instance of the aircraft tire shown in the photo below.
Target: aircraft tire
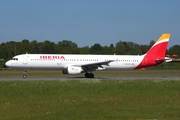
{"x": 86, "y": 75}
{"x": 24, "y": 76}
{"x": 89, "y": 75}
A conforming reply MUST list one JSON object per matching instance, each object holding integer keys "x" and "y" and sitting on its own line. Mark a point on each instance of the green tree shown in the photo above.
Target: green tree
{"x": 84, "y": 50}
{"x": 175, "y": 49}
{"x": 105, "y": 50}
{"x": 25, "y": 46}
{"x": 121, "y": 48}
{"x": 8, "y": 50}
{"x": 144, "y": 48}
{"x": 96, "y": 49}
{"x": 134, "y": 49}
{"x": 48, "y": 47}
{"x": 67, "y": 47}
{"x": 111, "y": 49}
{"x": 35, "y": 49}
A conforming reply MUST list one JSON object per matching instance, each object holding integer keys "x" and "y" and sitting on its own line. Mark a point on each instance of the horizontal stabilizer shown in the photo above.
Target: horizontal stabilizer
{"x": 163, "y": 60}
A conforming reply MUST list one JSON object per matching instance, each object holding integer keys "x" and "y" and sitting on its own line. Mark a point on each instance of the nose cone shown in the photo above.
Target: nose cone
{"x": 8, "y": 64}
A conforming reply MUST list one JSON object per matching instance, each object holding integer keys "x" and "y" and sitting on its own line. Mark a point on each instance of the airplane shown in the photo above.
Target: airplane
{"x": 77, "y": 63}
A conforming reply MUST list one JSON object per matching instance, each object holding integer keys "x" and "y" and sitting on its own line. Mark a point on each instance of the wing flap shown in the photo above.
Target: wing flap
{"x": 94, "y": 66}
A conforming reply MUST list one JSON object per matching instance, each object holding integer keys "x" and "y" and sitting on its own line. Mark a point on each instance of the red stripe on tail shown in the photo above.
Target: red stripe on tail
{"x": 156, "y": 54}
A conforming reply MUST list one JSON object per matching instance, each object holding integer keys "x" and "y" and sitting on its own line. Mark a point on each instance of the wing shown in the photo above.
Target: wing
{"x": 94, "y": 66}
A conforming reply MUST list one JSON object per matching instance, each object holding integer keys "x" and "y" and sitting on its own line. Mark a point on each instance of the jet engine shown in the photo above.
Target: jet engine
{"x": 72, "y": 70}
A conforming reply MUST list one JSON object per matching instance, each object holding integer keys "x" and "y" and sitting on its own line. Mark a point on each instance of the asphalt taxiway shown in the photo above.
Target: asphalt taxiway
{"x": 134, "y": 77}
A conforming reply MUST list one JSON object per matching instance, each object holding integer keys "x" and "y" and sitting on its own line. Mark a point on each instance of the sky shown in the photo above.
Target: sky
{"x": 87, "y": 22}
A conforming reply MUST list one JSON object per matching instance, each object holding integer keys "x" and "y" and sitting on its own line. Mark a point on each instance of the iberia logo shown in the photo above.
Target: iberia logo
{"x": 51, "y": 57}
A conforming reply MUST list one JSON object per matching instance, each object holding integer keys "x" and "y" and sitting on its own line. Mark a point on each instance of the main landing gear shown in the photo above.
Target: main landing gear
{"x": 24, "y": 75}
{"x": 89, "y": 75}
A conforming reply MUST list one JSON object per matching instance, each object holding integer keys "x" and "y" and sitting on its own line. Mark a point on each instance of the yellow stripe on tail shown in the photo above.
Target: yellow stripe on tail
{"x": 163, "y": 36}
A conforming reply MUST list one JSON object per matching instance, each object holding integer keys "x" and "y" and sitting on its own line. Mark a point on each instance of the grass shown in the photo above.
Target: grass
{"x": 90, "y": 99}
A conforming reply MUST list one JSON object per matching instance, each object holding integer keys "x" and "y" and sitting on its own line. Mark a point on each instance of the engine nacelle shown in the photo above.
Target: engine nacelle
{"x": 72, "y": 70}
{"x": 101, "y": 68}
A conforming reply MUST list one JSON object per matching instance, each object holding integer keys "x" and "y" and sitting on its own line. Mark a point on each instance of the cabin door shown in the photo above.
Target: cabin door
{"x": 59, "y": 61}
{"x": 25, "y": 60}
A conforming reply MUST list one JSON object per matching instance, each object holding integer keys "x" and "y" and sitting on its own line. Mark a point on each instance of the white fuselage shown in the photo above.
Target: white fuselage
{"x": 61, "y": 61}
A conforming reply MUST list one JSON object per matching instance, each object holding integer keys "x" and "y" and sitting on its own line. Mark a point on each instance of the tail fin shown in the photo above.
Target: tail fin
{"x": 159, "y": 48}
{"x": 156, "y": 54}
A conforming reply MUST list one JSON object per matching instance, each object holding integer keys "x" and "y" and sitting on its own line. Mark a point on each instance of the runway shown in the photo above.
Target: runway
{"x": 130, "y": 77}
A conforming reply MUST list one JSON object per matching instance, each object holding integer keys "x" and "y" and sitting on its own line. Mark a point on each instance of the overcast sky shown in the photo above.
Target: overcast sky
{"x": 87, "y": 22}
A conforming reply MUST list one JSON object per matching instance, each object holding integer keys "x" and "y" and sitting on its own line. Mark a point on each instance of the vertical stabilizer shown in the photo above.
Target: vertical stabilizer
{"x": 156, "y": 54}
{"x": 160, "y": 47}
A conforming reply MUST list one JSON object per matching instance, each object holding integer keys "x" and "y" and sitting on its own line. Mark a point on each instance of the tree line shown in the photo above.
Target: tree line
{"x": 12, "y": 48}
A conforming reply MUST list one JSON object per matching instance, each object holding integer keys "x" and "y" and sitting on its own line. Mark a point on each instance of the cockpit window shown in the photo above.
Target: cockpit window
{"x": 14, "y": 59}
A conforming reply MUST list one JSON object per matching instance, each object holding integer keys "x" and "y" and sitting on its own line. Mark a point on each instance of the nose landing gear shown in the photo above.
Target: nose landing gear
{"x": 24, "y": 75}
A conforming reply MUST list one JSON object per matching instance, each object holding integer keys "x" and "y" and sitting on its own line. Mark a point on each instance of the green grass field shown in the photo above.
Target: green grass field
{"x": 90, "y": 99}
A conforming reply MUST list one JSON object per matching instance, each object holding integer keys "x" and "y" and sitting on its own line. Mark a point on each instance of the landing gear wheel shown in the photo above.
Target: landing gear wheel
{"x": 86, "y": 75}
{"x": 24, "y": 76}
{"x": 89, "y": 75}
